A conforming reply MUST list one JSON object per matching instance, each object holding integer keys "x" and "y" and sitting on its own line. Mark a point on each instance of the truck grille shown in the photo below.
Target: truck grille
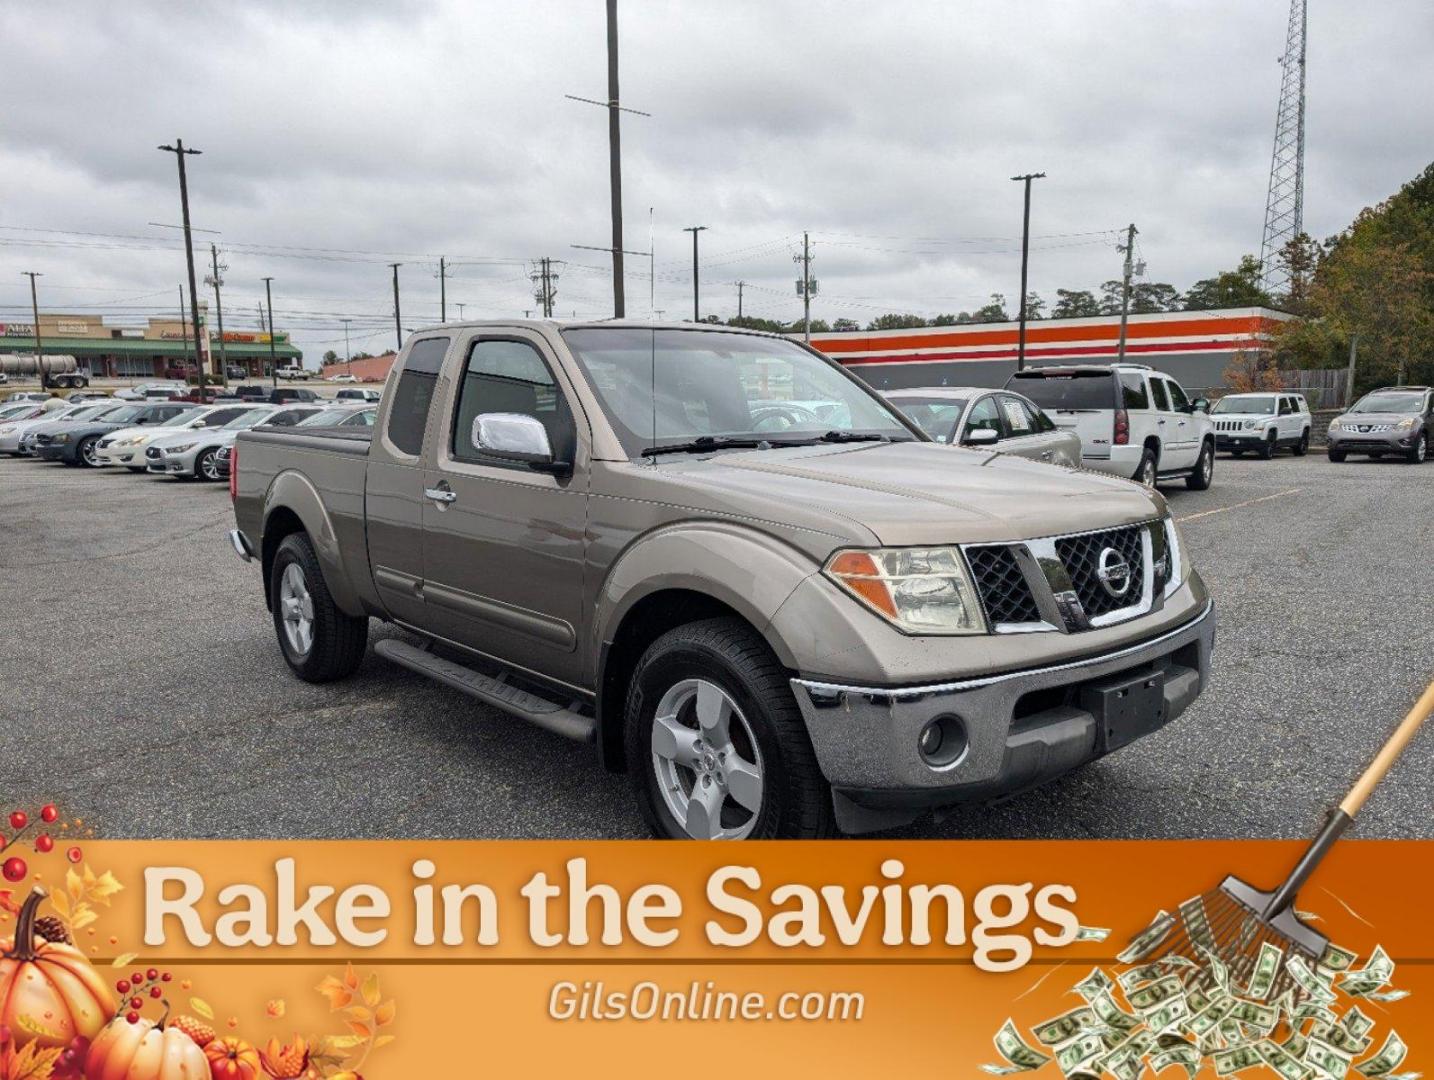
{"x": 1081, "y": 557}
{"x": 1005, "y": 594}
{"x": 1229, "y": 425}
{"x": 1363, "y": 428}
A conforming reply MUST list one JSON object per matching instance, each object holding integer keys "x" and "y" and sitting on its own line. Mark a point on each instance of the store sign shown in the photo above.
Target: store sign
{"x": 17, "y": 329}
{"x": 73, "y": 329}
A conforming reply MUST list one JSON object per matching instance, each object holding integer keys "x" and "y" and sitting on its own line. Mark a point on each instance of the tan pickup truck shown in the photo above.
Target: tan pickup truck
{"x": 781, "y": 622}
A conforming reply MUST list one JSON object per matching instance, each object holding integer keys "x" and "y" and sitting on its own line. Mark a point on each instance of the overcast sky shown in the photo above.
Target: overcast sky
{"x": 402, "y": 130}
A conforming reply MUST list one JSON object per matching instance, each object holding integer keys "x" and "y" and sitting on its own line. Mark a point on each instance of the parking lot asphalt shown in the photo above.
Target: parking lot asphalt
{"x": 140, "y": 684}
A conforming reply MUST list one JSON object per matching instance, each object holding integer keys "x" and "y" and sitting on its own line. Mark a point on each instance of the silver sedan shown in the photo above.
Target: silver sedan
{"x": 981, "y": 418}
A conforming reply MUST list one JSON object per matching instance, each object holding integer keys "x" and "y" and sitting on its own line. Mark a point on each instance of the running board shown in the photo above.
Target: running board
{"x": 501, "y": 695}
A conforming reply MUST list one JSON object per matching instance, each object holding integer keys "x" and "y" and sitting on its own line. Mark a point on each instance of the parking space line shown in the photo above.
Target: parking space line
{"x": 1236, "y": 506}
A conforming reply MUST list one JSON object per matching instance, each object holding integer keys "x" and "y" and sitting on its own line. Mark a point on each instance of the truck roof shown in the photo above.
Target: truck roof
{"x": 585, "y": 324}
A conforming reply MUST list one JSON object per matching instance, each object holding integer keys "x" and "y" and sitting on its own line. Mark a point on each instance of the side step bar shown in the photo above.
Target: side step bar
{"x": 501, "y": 695}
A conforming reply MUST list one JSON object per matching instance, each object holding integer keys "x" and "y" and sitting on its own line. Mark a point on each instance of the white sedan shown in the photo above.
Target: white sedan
{"x": 11, "y": 431}
{"x": 191, "y": 453}
{"x": 342, "y": 378}
{"x": 126, "y": 446}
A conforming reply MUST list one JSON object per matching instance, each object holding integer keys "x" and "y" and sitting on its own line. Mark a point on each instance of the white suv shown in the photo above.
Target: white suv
{"x": 1133, "y": 421}
{"x": 1262, "y": 423}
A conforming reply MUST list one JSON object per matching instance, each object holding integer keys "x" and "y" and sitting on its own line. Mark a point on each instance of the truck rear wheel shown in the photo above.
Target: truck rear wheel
{"x": 318, "y": 640}
{"x": 717, "y": 747}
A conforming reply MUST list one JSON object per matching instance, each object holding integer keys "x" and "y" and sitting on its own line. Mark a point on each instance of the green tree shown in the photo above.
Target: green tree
{"x": 995, "y": 311}
{"x": 1299, "y": 258}
{"x": 1148, "y": 297}
{"x": 751, "y": 322}
{"x": 819, "y": 326}
{"x": 1239, "y": 287}
{"x": 896, "y": 322}
{"x": 846, "y": 326}
{"x": 1075, "y": 304}
{"x": 1035, "y": 306}
{"x": 331, "y": 357}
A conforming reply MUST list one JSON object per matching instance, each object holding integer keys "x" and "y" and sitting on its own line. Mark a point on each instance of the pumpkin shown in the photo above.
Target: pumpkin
{"x": 231, "y": 1058}
{"x": 144, "y": 1050}
{"x": 49, "y": 993}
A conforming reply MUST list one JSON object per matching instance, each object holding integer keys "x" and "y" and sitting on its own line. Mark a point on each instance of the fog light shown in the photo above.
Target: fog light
{"x": 943, "y": 741}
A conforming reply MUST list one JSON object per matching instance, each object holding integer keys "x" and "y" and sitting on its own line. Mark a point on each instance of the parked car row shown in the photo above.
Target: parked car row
{"x": 170, "y": 438}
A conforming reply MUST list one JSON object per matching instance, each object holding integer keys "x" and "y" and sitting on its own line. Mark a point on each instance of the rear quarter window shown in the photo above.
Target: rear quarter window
{"x": 408, "y": 415}
{"x": 1067, "y": 390}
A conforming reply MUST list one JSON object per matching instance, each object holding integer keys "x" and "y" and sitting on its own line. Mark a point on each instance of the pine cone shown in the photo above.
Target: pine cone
{"x": 52, "y": 929}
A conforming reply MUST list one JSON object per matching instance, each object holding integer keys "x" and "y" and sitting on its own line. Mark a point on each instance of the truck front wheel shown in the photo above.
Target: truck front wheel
{"x": 318, "y": 640}
{"x": 716, "y": 744}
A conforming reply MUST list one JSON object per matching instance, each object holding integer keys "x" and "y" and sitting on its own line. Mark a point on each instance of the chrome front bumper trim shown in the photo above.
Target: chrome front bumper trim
{"x": 241, "y": 545}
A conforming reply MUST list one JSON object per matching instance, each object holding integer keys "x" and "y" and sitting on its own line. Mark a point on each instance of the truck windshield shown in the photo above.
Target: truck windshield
{"x": 1254, "y": 406}
{"x": 1396, "y": 403}
{"x": 672, "y": 386}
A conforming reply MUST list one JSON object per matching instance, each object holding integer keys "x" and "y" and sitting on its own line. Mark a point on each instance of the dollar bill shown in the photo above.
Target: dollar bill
{"x": 1335, "y": 958}
{"x": 1080, "y": 1052}
{"x": 1153, "y": 995}
{"x": 1112, "y": 1015}
{"x": 1267, "y": 966}
{"x": 1143, "y": 973}
{"x": 1149, "y": 939}
{"x": 1168, "y": 1015}
{"x": 1329, "y": 1060}
{"x": 1197, "y": 998}
{"x": 1340, "y": 1038}
{"x": 1063, "y": 1028}
{"x": 1208, "y": 1019}
{"x": 1094, "y": 984}
{"x": 1013, "y": 1048}
{"x": 1185, "y": 1055}
{"x": 1236, "y": 1059}
{"x": 1308, "y": 981}
{"x": 1391, "y": 1055}
{"x": 1295, "y": 1044}
{"x": 1257, "y": 1015}
{"x": 1387, "y": 995}
{"x": 1313, "y": 1010}
{"x": 1375, "y": 974}
{"x": 1281, "y": 1060}
{"x": 1355, "y": 1022}
{"x": 1217, "y": 969}
{"x": 1092, "y": 933}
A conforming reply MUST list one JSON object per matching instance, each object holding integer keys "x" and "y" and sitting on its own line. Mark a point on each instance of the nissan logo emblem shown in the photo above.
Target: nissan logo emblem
{"x": 1113, "y": 572}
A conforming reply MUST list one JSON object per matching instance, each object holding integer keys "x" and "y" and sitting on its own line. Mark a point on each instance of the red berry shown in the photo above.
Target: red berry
{"x": 44, "y": 844}
{"x": 14, "y": 868}
{"x": 165, "y": 977}
{"x": 137, "y": 978}
{"x": 122, "y": 986}
{"x": 136, "y": 1003}
{"x": 155, "y": 991}
{"x": 152, "y": 974}
{"x": 19, "y": 819}
{"x": 74, "y": 854}
{"x": 48, "y": 813}
{"x": 132, "y": 1017}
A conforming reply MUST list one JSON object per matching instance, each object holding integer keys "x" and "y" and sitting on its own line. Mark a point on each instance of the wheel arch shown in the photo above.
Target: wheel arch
{"x": 293, "y": 505}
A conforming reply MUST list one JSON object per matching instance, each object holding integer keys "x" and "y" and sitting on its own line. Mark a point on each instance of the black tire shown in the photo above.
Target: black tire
{"x": 796, "y": 802}
{"x": 1336, "y": 455}
{"x": 1204, "y": 472}
{"x": 84, "y": 453}
{"x": 204, "y": 465}
{"x": 1418, "y": 452}
{"x": 339, "y": 640}
{"x": 1146, "y": 472}
{"x": 1267, "y": 448}
{"x": 1303, "y": 446}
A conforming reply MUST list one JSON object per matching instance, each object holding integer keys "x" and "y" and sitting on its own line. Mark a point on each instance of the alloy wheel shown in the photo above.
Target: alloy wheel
{"x": 707, "y": 762}
{"x": 297, "y": 608}
{"x": 209, "y": 466}
{"x": 89, "y": 451}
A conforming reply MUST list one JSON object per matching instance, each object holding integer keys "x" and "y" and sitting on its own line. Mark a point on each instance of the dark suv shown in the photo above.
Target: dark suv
{"x": 1394, "y": 420}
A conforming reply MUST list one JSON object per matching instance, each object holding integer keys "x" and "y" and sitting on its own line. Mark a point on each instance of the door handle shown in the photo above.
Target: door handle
{"x": 1045, "y": 455}
{"x": 442, "y": 495}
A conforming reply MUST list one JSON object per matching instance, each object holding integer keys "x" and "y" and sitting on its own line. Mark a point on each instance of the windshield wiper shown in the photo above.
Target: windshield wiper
{"x": 703, "y": 443}
{"x": 854, "y": 436}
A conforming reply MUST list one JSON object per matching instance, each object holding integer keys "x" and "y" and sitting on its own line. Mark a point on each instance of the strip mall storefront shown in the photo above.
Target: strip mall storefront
{"x": 1194, "y": 346}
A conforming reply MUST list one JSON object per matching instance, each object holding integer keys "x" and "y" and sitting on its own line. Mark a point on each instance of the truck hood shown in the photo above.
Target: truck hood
{"x": 1258, "y": 417}
{"x": 1376, "y": 417}
{"x": 912, "y": 493}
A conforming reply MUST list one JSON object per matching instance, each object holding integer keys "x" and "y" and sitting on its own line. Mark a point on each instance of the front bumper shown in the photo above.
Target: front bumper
{"x": 1381, "y": 442}
{"x": 120, "y": 455}
{"x": 1023, "y": 727}
{"x": 1241, "y": 440}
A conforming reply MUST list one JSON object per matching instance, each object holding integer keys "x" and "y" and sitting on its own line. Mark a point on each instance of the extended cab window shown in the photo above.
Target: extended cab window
{"x": 409, "y": 414}
{"x": 510, "y": 377}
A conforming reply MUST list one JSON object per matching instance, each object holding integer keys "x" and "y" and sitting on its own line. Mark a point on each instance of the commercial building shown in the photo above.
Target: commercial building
{"x": 162, "y": 348}
{"x": 1194, "y": 346}
{"x": 370, "y": 369}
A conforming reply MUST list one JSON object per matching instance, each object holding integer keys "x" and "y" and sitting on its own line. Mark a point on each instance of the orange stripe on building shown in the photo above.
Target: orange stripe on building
{"x": 1037, "y": 333}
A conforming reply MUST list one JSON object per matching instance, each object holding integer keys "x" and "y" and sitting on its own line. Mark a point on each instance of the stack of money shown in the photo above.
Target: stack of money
{"x": 1192, "y": 1011}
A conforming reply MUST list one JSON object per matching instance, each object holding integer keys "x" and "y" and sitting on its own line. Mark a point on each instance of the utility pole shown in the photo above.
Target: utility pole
{"x": 460, "y": 312}
{"x": 397, "y": 322}
{"x": 694, "y": 230}
{"x": 614, "y": 151}
{"x": 217, "y": 281}
{"x": 1349, "y": 377}
{"x": 740, "y": 286}
{"x": 806, "y": 286}
{"x": 1125, "y": 290}
{"x": 35, "y": 313}
{"x": 442, "y": 290}
{"x": 348, "y": 353}
{"x": 1025, "y": 178}
{"x": 184, "y": 333}
{"x": 545, "y": 280}
{"x": 273, "y": 355}
{"x": 180, "y": 153}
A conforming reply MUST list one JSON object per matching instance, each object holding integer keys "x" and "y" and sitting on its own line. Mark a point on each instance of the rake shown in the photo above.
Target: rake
{"x": 1233, "y": 921}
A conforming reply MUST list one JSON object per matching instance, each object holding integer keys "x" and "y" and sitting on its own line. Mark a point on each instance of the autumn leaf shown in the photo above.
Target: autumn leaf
{"x": 123, "y": 960}
{"x": 84, "y": 915}
{"x": 383, "y": 1040}
{"x": 371, "y": 993}
{"x": 276, "y": 1008}
{"x": 384, "y": 1014}
{"x": 103, "y": 888}
{"x": 337, "y": 1043}
{"x": 32, "y": 1062}
{"x": 338, "y": 994}
{"x": 363, "y": 1031}
{"x": 61, "y": 903}
{"x": 359, "y": 1013}
{"x": 351, "y": 979}
{"x": 74, "y": 885}
{"x": 202, "y": 1007}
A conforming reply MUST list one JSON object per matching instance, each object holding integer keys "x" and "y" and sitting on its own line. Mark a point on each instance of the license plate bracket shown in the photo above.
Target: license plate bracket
{"x": 1126, "y": 706}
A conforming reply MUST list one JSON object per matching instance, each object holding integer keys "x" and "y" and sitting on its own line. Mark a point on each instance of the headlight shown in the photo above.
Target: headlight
{"x": 1249, "y": 425}
{"x": 1176, "y": 556}
{"x": 59, "y": 438}
{"x": 1404, "y": 425}
{"x": 182, "y": 448}
{"x": 919, "y": 590}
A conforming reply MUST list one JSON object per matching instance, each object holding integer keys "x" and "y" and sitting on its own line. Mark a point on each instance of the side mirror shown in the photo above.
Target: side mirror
{"x": 1200, "y": 404}
{"x": 516, "y": 437}
{"x": 981, "y": 437}
{"x": 200, "y": 423}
